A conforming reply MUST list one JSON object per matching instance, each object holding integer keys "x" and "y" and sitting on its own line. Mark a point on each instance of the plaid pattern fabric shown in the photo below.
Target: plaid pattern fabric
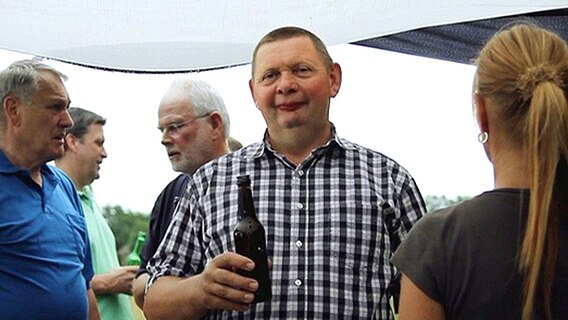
{"x": 329, "y": 222}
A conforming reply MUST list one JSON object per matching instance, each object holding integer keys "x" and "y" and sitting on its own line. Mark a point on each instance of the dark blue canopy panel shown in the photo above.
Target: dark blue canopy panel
{"x": 460, "y": 42}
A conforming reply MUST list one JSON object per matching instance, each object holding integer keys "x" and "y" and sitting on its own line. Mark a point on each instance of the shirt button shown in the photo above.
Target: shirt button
{"x": 299, "y": 243}
{"x": 298, "y": 282}
{"x": 299, "y": 205}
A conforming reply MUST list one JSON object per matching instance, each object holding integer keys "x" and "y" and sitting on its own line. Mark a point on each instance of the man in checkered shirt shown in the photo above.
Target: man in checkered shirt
{"x": 333, "y": 211}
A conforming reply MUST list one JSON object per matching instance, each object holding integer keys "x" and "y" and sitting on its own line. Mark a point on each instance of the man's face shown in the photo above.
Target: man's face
{"x": 91, "y": 152}
{"x": 291, "y": 84}
{"x": 44, "y": 119}
{"x": 185, "y": 135}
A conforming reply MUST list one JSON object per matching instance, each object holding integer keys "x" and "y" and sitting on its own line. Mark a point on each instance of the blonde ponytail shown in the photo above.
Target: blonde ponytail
{"x": 524, "y": 70}
{"x": 546, "y": 133}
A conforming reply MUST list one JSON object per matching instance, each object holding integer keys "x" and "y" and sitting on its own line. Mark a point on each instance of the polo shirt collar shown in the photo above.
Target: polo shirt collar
{"x": 6, "y": 166}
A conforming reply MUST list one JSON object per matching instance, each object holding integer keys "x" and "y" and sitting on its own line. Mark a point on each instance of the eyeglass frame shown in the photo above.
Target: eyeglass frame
{"x": 173, "y": 128}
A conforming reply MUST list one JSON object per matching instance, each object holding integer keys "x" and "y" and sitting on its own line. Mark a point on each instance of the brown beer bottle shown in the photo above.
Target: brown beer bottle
{"x": 250, "y": 241}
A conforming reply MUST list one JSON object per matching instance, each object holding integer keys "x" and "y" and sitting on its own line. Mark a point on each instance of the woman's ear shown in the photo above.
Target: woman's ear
{"x": 480, "y": 109}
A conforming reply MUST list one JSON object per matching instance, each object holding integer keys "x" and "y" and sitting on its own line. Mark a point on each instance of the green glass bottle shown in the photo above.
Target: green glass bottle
{"x": 133, "y": 258}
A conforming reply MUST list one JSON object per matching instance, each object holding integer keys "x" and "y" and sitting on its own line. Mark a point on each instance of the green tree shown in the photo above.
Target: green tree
{"x": 125, "y": 225}
{"x": 438, "y": 202}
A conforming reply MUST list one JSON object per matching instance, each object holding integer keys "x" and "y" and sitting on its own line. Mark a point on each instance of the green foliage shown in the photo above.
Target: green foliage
{"x": 438, "y": 202}
{"x": 125, "y": 225}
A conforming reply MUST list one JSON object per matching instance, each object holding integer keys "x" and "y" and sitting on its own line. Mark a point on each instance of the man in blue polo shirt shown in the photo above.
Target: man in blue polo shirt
{"x": 45, "y": 260}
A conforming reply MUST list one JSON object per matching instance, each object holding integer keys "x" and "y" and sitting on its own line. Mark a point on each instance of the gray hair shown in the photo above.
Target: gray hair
{"x": 203, "y": 97}
{"x": 21, "y": 79}
{"x": 82, "y": 119}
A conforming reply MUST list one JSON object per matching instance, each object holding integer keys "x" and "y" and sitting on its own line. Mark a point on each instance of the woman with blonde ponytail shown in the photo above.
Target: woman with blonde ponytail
{"x": 504, "y": 253}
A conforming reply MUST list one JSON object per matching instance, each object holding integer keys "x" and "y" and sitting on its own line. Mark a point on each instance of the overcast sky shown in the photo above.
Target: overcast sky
{"x": 415, "y": 110}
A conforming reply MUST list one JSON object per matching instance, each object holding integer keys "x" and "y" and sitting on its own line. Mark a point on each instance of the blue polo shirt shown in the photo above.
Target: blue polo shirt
{"x": 45, "y": 260}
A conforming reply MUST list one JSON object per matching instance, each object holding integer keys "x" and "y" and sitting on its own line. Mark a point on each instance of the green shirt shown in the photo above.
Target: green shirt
{"x": 105, "y": 258}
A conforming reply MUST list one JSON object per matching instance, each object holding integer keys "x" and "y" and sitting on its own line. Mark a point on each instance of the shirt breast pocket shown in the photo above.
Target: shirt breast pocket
{"x": 77, "y": 232}
{"x": 357, "y": 234}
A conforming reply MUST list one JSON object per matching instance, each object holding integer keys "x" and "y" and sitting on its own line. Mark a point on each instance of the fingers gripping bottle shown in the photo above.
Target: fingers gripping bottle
{"x": 250, "y": 241}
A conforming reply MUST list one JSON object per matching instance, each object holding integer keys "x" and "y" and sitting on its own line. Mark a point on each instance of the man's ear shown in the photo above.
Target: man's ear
{"x": 11, "y": 108}
{"x": 335, "y": 79}
{"x": 71, "y": 141}
{"x": 251, "y": 87}
{"x": 216, "y": 122}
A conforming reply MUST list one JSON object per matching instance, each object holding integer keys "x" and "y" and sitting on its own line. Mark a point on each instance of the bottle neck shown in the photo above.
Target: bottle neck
{"x": 246, "y": 205}
{"x": 138, "y": 245}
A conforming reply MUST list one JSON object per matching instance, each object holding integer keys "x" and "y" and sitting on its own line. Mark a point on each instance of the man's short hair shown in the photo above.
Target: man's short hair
{"x": 204, "y": 98}
{"x": 82, "y": 119}
{"x": 21, "y": 78}
{"x": 284, "y": 33}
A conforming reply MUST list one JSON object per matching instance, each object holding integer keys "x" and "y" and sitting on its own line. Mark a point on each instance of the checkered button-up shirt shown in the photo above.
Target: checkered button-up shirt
{"x": 330, "y": 225}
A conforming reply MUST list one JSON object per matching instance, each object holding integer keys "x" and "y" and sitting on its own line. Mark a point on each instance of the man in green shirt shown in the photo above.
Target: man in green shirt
{"x": 84, "y": 152}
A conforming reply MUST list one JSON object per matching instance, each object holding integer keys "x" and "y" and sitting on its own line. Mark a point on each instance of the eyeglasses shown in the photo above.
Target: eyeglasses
{"x": 173, "y": 129}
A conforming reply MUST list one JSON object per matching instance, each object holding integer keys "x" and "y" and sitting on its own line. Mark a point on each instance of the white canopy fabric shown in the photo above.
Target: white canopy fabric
{"x": 182, "y": 35}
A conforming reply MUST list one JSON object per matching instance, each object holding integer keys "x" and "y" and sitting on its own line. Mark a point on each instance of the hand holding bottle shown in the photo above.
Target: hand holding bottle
{"x": 117, "y": 280}
{"x": 221, "y": 287}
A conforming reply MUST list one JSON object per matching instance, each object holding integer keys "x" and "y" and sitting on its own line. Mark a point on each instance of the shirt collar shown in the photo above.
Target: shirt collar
{"x": 334, "y": 141}
{"x": 6, "y": 166}
{"x": 86, "y": 192}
